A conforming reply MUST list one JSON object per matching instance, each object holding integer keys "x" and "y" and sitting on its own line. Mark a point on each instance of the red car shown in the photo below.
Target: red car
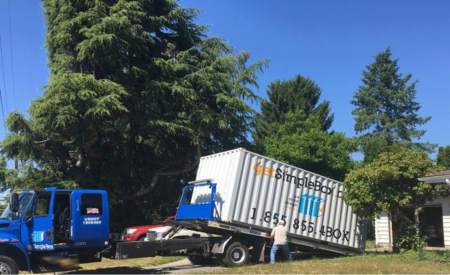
{"x": 137, "y": 233}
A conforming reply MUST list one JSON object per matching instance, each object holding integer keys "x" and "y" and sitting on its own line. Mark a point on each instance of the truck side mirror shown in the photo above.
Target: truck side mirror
{"x": 14, "y": 203}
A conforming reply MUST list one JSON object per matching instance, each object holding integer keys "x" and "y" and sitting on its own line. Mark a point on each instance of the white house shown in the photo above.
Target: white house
{"x": 435, "y": 219}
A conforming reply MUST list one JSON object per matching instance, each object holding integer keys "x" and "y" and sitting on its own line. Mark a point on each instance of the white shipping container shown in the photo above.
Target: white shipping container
{"x": 256, "y": 191}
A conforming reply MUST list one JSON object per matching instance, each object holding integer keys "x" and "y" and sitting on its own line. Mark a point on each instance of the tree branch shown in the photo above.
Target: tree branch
{"x": 155, "y": 178}
{"x": 42, "y": 141}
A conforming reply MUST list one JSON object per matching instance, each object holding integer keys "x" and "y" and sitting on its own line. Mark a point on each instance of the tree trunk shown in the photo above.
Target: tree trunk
{"x": 416, "y": 216}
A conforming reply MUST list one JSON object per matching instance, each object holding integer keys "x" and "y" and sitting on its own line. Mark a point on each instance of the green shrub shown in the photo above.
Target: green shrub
{"x": 409, "y": 239}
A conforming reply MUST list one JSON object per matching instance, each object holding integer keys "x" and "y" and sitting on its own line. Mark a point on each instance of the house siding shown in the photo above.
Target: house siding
{"x": 445, "y": 202}
{"x": 382, "y": 228}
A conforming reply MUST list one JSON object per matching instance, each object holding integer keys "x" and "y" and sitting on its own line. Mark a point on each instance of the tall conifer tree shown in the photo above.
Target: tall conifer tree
{"x": 294, "y": 127}
{"x": 443, "y": 157}
{"x": 293, "y": 95}
{"x": 386, "y": 111}
{"x": 137, "y": 93}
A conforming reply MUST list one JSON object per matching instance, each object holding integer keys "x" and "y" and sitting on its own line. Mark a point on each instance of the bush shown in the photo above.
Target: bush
{"x": 409, "y": 239}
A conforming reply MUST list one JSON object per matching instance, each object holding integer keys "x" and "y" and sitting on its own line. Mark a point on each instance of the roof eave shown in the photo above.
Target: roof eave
{"x": 435, "y": 179}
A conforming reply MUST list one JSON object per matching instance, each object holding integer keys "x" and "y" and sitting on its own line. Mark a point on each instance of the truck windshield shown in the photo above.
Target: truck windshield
{"x": 24, "y": 200}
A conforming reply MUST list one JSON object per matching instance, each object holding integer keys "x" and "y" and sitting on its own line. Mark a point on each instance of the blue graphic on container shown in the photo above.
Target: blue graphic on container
{"x": 38, "y": 236}
{"x": 310, "y": 205}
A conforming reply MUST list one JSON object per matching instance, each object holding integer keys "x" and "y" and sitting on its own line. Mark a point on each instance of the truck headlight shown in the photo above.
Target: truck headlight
{"x": 131, "y": 231}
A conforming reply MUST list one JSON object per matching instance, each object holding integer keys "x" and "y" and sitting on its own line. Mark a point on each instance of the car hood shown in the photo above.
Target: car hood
{"x": 144, "y": 227}
{"x": 160, "y": 229}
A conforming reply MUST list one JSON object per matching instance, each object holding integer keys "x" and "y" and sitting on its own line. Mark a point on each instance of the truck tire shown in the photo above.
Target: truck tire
{"x": 236, "y": 254}
{"x": 8, "y": 265}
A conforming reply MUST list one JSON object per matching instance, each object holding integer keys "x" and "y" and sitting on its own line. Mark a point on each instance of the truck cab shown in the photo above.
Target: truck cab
{"x": 52, "y": 229}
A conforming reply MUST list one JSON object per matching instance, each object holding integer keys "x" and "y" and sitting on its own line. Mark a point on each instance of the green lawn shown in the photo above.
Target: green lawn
{"x": 107, "y": 266}
{"x": 428, "y": 262}
{"x": 367, "y": 263}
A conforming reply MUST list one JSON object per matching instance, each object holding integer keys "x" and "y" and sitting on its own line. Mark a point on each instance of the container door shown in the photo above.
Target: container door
{"x": 40, "y": 227}
{"x": 90, "y": 224}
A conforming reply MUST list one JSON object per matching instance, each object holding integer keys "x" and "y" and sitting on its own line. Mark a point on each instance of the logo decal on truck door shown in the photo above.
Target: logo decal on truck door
{"x": 312, "y": 206}
{"x": 38, "y": 236}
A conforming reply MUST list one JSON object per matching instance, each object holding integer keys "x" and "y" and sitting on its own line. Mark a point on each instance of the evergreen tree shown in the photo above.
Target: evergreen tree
{"x": 443, "y": 157}
{"x": 301, "y": 141}
{"x": 293, "y": 127}
{"x": 297, "y": 94}
{"x": 386, "y": 110}
{"x": 137, "y": 93}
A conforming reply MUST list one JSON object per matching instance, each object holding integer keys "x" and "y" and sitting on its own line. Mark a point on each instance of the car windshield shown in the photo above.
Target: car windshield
{"x": 24, "y": 200}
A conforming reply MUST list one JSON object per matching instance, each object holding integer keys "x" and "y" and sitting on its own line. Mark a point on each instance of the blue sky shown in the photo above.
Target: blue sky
{"x": 329, "y": 41}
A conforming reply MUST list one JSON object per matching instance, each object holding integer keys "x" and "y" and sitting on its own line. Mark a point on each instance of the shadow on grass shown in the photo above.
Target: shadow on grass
{"x": 112, "y": 270}
{"x": 147, "y": 270}
{"x": 188, "y": 268}
{"x": 298, "y": 256}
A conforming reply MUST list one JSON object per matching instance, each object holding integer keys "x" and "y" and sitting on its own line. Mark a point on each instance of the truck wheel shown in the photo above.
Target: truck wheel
{"x": 236, "y": 254}
{"x": 8, "y": 266}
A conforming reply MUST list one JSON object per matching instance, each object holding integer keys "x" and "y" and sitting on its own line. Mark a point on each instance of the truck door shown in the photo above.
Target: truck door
{"x": 40, "y": 226}
{"x": 90, "y": 218}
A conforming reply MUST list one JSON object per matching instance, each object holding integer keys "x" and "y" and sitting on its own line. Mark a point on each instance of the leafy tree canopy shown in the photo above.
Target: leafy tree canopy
{"x": 386, "y": 110}
{"x": 302, "y": 141}
{"x": 390, "y": 183}
{"x": 137, "y": 93}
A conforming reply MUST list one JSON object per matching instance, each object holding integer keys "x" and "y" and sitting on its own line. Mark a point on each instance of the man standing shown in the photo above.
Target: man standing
{"x": 279, "y": 233}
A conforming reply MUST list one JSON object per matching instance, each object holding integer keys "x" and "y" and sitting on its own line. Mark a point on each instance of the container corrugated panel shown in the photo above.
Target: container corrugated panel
{"x": 258, "y": 191}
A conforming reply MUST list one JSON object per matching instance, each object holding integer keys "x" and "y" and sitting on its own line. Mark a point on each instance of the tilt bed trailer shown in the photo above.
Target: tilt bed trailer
{"x": 249, "y": 195}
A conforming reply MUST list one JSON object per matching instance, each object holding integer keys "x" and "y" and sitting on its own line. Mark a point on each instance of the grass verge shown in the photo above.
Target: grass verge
{"x": 371, "y": 244}
{"x": 107, "y": 266}
{"x": 367, "y": 263}
{"x": 133, "y": 263}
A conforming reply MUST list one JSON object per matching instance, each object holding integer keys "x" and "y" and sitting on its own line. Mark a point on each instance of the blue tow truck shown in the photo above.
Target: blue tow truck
{"x": 43, "y": 229}
{"x": 48, "y": 229}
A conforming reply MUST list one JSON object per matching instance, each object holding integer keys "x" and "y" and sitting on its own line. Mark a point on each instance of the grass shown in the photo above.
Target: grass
{"x": 371, "y": 244}
{"x": 367, "y": 263}
{"x": 108, "y": 266}
{"x": 132, "y": 263}
{"x": 426, "y": 262}
{"x": 112, "y": 266}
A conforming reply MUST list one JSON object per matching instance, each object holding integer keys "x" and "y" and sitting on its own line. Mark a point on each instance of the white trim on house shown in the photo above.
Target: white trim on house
{"x": 436, "y": 179}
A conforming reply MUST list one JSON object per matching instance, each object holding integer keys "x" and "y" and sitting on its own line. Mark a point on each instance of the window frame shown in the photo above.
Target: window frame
{"x": 84, "y": 206}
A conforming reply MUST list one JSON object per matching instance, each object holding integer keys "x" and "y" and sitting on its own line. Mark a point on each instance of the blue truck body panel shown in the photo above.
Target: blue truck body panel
{"x": 188, "y": 210}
